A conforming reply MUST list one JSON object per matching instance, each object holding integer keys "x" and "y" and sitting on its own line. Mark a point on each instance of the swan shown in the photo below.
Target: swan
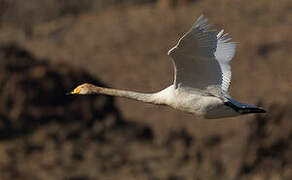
{"x": 202, "y": 75}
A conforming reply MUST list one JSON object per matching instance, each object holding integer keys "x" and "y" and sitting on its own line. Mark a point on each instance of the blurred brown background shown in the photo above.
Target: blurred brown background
{"x": 47, "y": 47}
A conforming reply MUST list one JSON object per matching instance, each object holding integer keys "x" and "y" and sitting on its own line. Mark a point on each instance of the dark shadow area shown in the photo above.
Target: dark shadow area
{"x": 33, "y": 95}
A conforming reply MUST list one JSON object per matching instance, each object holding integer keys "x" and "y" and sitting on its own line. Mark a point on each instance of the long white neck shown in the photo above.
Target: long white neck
{"x": 145, "y": 97}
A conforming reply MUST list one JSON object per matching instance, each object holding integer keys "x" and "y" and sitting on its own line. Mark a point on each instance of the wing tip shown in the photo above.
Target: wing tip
{"x": 224, "y": 38}
{"x": 202, "y": 23}
{"x": 200, "y": 18}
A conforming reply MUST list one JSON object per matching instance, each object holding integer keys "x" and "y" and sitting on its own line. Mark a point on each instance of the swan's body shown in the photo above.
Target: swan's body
{"x": 201, "y": 61}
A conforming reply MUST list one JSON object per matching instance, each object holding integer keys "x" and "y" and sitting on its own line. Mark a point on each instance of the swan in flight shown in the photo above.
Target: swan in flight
{"x": 202, "y": 75}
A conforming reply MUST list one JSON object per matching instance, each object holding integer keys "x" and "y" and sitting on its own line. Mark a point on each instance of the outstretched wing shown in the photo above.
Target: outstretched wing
{"x": 201, "y": 58}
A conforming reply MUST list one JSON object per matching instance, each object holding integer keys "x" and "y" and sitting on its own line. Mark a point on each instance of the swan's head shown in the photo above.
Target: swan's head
{"x": 82, "y": 89}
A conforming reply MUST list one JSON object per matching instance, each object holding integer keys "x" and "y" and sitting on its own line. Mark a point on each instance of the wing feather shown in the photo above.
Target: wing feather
{"x": 202, "y": 58}
{"x": 224, "y": 53}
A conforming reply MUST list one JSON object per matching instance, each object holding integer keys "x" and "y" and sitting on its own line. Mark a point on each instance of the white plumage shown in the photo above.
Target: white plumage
{"x": 202, "y": 75}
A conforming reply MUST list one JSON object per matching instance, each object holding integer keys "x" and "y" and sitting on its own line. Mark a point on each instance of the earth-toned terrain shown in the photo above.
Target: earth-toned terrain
{"x": 47, "y": 47}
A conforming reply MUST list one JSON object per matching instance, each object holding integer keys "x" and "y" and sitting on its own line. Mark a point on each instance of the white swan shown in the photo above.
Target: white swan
{"x": 202, "y": 76}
